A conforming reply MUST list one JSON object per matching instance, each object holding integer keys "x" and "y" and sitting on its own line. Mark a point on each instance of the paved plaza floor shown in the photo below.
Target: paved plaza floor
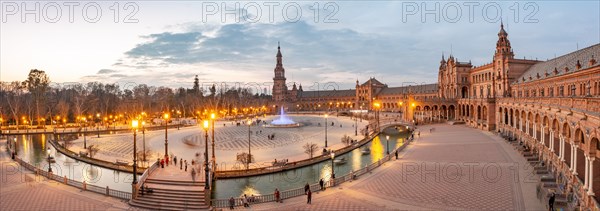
{"x": 453, "y": 168}
{"x": 230, "y": 139}
{"x": 21, "y": 189}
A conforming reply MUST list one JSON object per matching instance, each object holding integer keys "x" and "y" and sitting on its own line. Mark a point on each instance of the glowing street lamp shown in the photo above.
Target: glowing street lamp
{"x": 97, "y": 125}
{"x": 205, "y": 125}
{"x": 144, "y": 140}
{"x": 249, "y": 154}
{"x": 214, "y": 160}
{"x": 166, "y": 117}
{"x": 332, "y": 155}
{"x": 387, "y": 144}
{"x": 326, "y": 130}
{"x": 49, "y": 161}
{"x": 134, "y": 127}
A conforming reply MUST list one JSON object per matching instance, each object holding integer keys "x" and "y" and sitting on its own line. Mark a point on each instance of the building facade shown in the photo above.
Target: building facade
{"x": 551, "y": 106}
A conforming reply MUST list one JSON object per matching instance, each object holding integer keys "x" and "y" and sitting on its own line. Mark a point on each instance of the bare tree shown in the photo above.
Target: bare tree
{"x": 310, "y": 149}
{"x": 245, "y": 159}
{"x": 346, "y": 140}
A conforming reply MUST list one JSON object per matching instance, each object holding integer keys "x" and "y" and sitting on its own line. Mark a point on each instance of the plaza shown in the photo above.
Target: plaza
{"x": 344, "y": 105}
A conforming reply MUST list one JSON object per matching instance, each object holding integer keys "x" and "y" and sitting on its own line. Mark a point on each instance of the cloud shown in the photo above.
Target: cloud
{"x": 106, "y": 71}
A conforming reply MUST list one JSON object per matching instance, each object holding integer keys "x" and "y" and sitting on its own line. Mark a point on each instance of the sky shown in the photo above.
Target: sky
{"x": 234, "y": 43}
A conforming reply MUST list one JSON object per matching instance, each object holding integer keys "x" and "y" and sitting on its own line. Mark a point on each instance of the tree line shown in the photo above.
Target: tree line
{"x": 35, "y": 101}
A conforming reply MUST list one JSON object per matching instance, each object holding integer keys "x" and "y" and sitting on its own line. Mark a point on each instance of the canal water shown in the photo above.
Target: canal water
{"x": 33, "y": 149}
{"x": 297, "y": 178}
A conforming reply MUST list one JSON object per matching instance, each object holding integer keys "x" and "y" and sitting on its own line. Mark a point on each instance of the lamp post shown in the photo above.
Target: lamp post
{"x": 326, "y": 130}
{"x": 134, "y": 126}
{"x": 355, "y": 125}
{"x": 97, "y": 125}
{"x": 144, "y": 140}
{"x": 214, "y": 159}
{"x": 332, "y": 154}
{"x": 387, "y": 144}
{"x": 249, "y": 153}
{"x": 166, "y": 117}
{"x": 206, "y": 154}
{"x": 84, "y": 133}
{"x": 14, "y": 148}
{"x": 49, "y": 162}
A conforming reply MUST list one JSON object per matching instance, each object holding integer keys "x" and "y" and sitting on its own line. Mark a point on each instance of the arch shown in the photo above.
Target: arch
{"x": 451, "y": 112}
{"x": 464, "y": 92}
{"x": 579, "y": 136}
{"x": 566, "y": 130}
{"x": 478, "y": 112}
{"x": 484, "y": 114}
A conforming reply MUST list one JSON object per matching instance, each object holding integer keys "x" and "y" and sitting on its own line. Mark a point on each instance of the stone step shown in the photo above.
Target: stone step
{"x": 173, "y": 182}
{"x": 178, "y": 192}
{"x": 172, "y": 200}
{"x": 172, "y": 196}
{"x": 165, "y": 206}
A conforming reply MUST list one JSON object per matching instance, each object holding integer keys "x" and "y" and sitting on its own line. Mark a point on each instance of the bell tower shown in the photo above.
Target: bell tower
{"x": 279, "y": 87}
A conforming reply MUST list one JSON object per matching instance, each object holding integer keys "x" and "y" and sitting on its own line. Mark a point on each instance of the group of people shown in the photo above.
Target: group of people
{"x": 183, "y": 164}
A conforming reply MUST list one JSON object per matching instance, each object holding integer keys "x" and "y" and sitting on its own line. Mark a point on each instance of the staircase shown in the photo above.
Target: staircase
{"x": 172, "y": 195}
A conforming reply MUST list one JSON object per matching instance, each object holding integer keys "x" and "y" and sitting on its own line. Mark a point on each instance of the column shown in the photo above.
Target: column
{"x": 562, "y": 149}
{"x": 571, "y": 158}
{"x": 575, "y": 160}
{"x": 591, "y": 182}
{"x": 527, "y": 126}
{"x": 534, "y": 133}
{"x": 587, "y": 174}
{"x": 551, "y": 141}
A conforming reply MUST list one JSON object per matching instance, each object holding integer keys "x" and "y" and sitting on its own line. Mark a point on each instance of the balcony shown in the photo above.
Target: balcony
{"x": 579, "y": 103}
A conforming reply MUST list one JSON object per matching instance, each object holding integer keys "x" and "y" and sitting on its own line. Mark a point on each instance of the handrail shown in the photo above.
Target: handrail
{"x": 81, "y": 185}
{"x": 301, "y": 163}
{"x": 313, "y": 187}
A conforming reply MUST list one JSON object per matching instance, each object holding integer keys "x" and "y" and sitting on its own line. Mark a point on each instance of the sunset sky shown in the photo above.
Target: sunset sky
{"x": 174, "y": 41}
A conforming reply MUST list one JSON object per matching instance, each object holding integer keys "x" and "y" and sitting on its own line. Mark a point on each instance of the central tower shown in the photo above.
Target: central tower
{"x": 279, "y": 87}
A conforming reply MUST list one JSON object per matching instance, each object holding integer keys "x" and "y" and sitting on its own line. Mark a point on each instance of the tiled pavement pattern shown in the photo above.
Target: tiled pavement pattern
{"x": 20, "y": 189}
{"x": 453, "y": 168}
{"x": 427, "y": 177}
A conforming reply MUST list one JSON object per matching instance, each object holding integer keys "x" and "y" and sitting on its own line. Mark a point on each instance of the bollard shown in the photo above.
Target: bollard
{"x": 65, "y": 179}
{"x": 84, "y": 185}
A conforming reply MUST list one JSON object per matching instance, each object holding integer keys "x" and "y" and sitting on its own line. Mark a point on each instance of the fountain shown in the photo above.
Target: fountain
{"x": 283, "y": 121}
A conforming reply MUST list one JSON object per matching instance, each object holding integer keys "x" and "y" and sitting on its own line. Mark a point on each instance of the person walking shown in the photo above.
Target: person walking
{"x": 231, "y": 202}
{"x": 551, "y": 202}
{"x": 322, "y": 184}
{"x": 194, "y": 174}
{"x": 180, "y": 163}
{"x": 308, "y": 197}
{"x": 167, "y": 159}
{"x": 185, "y": 165}
{"x": 162, "y": 163}
{"x": 396, "y": 154}
{"x": 175, "y": 161}
{"x": 277, "y": 197}
{"x": 245, "y": 201}
{"x": 306, "y": 188}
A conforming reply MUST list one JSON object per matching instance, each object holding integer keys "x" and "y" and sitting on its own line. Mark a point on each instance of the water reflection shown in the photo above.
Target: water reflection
{"x": 33, "y": 149}
{"x": 225, "y": 188}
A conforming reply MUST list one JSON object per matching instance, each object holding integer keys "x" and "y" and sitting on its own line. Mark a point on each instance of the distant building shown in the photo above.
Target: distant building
{"x": 552, "y": 106}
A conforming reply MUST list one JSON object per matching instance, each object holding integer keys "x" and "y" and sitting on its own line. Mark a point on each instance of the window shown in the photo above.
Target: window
{"x": 551, "y": 92}
{"x": 561, "y": 91}
{"x": 542, "y": 92}
{"x": 572, "y": 90}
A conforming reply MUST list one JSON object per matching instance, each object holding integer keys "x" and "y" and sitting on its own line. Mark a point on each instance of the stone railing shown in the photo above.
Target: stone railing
{"x": 144, "y": 176}
{"x": 81, "y": 185}
{"x": 580, "y": 103}
{"x": 218, "y": 203}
